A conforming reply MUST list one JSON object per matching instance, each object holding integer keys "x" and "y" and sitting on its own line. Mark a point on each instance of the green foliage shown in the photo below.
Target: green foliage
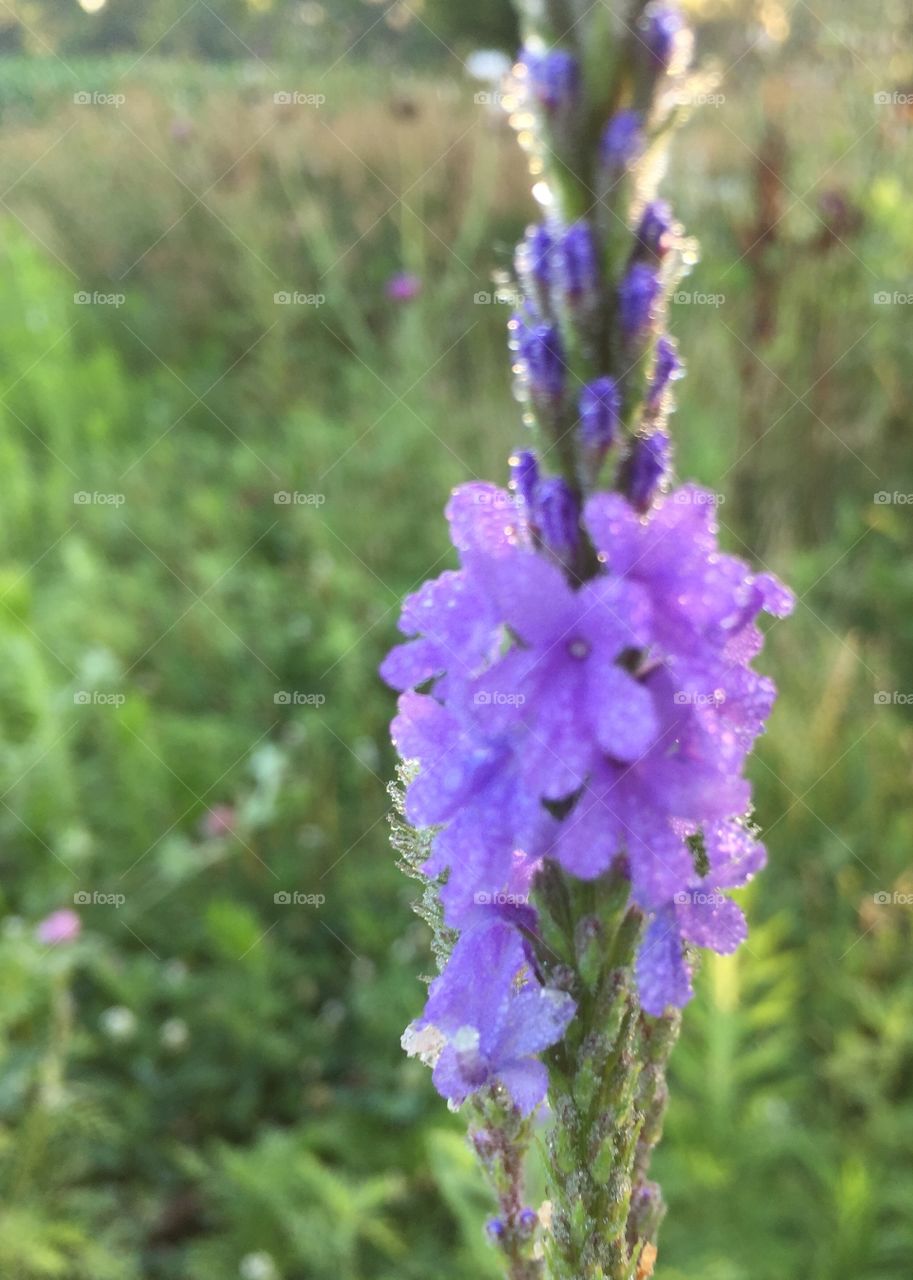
{"x": 212, "y": 1074}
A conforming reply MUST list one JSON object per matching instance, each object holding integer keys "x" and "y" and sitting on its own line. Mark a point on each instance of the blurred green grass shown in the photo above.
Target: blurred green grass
{"x": 192, "y": 720}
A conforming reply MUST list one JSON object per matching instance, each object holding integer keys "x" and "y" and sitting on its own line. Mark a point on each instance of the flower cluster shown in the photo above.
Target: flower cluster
{"x": 599, "y": 723}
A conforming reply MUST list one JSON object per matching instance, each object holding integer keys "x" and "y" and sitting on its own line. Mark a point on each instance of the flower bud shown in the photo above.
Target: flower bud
{"x": 557, "y": 515}
{"x": 600, "y": 415}
{"x": 524, "y": 475}
{"x": 638, "y": 296}
{"x": 623, "y": 141}
{"x": 654, "y": 234}
{"x": 542, "y": 356}
{"x": 666, "y": 35}
{"x": 667, "y": 368}
{"x": 534, "y": 254}
{"x": 577, "y": 265}
{"x": 554, "y": 79}
{"x": 645, "y": 468}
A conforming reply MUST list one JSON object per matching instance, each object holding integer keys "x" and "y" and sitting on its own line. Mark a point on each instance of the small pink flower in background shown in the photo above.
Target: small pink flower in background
{"x": 59, "y": 926}
{"x": 218, "y": 821}
{"x": 403, "y": 287}
{"x": 181, "y": 129}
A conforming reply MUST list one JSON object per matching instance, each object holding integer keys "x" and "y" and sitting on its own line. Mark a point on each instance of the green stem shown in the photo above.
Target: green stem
{"x": 608, "y": 1091}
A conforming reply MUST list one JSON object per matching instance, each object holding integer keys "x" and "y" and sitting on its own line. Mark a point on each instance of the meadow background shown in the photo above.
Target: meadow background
{"x": 207, "y": 1083}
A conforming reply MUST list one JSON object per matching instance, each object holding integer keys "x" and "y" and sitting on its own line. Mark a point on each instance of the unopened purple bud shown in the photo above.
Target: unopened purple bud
{"x": 528, "y": 1221}
{"x": 600, "y": 415}
{"x": 495, "y": 1229}
{"x": 666, "y": 368}
{"x": 638, "y": 295}
{"x": 645, "y": 468}
{"x": 623, "y": 140}
{"x": 555, "y": 78}
{"x": 557, "y": 515}
{"x": 663, "y": 25}
{"x": 484, "y": 1143}
{"x": 543, "y": 356}
{"x": 577, "y": 265}
{"x": 655, "y": 230}
{"x": 534, "y": 255}
{"x": 524, "y": 475}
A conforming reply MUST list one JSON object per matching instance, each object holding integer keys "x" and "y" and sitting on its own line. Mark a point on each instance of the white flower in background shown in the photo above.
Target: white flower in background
{"x": 258, "y": 1266}
{"x": 118, "y": 1022}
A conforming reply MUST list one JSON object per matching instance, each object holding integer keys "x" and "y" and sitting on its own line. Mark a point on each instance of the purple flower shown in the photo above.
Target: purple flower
{"x": 60, "y": 926}
{"x": 577, "y": 265}
{"x": 542, "y": 356}
{"x": 645, "y": 468}
{"x": 638, "y": 295}
{"x": 554, "y": 79}
{"x": 493, "y": 828}
{"x": 655, "y": 230}
{"x": 600, "y": 415}
{"x": 556, "y": 513}
{"x": 403, "y": 287}
{"x": 564, "y": 681}
{"x": 623, "y": 140}
{"x": 494, "y": 1017}
{"x": 700, "y": 914}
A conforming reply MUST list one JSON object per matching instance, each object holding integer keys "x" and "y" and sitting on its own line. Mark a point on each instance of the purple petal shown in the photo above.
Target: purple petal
{"x": 663, "y": 977}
